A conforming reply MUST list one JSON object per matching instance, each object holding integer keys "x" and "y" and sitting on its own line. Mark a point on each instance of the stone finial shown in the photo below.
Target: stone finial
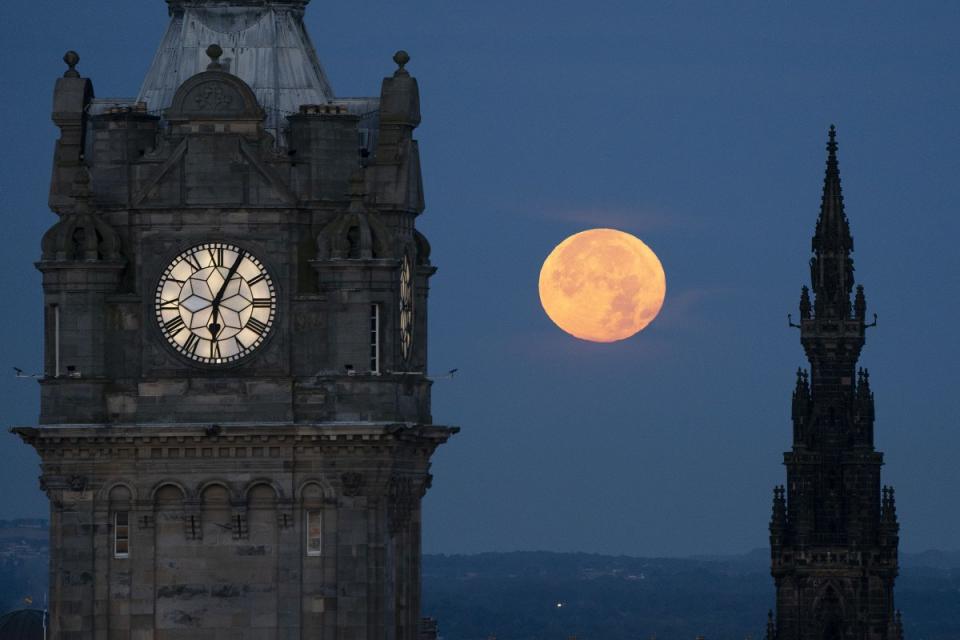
{"x": 214, "y": 51}
{"x": 401, "y": 58}
{"x": 71, "y": 58}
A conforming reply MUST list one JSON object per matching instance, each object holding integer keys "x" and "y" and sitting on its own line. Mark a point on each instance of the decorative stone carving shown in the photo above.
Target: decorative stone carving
{"x": 357, "y": 233}
{"x": 81, "y": 235}
{"x": 77, "y": 483}
{"x": 352, "y": 483}
{"x": 214, "y": 96}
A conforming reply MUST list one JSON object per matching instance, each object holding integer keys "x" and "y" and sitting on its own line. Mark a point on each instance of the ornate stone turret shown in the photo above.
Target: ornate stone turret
{"x": 833, "y": 541}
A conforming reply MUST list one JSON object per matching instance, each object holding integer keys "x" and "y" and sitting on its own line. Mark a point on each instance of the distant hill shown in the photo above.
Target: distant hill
{"x": 521, "y": 596}
{"x": 551, "y": 596}
{"x": 515, "y": 596}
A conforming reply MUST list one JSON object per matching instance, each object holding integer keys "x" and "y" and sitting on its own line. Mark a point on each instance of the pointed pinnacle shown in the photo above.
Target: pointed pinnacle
{"x": 832, "y": 268}
{"x": 833, "y": 167}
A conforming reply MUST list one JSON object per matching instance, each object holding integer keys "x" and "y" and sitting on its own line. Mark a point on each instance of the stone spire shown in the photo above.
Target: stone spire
{"x": 264, "y": 43}
{"x": 832, "y": 527}
{"x": 831, "y": 269}
{"x": 832, "y": 332}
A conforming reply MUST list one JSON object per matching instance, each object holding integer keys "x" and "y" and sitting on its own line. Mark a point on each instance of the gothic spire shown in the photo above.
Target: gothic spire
{"x": 831, "y": 269}
{"x": 832, "y": 496}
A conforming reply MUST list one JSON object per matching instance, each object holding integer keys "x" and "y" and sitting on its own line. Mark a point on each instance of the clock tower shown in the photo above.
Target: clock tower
{"x": 235, "y": 427}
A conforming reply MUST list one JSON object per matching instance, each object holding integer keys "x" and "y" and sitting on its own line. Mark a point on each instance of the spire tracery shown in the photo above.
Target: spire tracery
{"x": 831, "y": 268}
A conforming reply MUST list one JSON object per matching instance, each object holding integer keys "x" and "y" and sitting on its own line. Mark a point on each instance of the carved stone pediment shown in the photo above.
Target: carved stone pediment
{"x": 214, "y": 95}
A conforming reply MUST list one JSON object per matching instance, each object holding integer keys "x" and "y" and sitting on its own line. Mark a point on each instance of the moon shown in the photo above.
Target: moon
{"x": 602, "y": 285}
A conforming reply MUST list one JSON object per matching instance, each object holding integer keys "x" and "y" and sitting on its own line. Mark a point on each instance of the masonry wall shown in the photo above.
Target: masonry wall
{"x": 217, "y": 530}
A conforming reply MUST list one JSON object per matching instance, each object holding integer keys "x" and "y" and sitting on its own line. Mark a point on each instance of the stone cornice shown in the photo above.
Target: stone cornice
{"x": 294, "y": 433}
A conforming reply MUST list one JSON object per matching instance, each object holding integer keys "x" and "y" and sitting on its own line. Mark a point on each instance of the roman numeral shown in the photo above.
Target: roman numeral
{"x": 242, "y": 346}
{"x": 215, "y": 350}
{"x": 192, "y": 343}
{"x": 254, "y": 281}
{"x": 169, "y": 304}
{"x": 173, "y": 326}
{"x": 193, "y": 262}
{"x": 262, "y": 302}
{"x": 256, "y": 326}
{"x": 216, "y": 255}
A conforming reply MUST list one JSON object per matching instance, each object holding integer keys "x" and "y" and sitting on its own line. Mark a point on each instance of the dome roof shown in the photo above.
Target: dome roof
{"x": 24, "y": 624}
{"x": 264, "y": 43}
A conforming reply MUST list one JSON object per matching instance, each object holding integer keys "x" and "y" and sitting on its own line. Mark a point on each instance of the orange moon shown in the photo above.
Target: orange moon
{"x": 602, "y": 285}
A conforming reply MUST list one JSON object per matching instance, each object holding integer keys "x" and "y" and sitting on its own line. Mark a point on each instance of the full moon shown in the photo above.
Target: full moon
{"x": 602, "y": 285}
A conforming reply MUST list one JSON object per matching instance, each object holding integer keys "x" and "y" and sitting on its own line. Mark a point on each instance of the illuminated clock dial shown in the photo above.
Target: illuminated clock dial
{"x": 215, "y": 303}
{"x": 406, "y": 308}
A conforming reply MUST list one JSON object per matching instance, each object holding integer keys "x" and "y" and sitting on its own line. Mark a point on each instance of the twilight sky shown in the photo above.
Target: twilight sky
{"x": 699, "y": 127}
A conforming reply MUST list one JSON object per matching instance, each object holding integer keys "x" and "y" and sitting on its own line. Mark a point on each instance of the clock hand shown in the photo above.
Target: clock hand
{"x": 214, "y": 326}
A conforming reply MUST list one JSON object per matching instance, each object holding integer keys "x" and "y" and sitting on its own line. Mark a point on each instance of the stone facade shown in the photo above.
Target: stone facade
{"x": 276, "y": 495}
{"x": 834, "y": 532}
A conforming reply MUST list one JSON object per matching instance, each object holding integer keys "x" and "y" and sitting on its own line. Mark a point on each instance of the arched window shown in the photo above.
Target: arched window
{"x": 120, "y": 521}
{"x": 313, "y": 519}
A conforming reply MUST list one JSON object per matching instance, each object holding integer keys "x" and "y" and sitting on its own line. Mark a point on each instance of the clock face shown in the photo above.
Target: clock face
{"x": 215, "y": 303}
{"x": 406, "y": 308}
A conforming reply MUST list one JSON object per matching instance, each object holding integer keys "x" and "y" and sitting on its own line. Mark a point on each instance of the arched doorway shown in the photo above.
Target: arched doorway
{"x": 829, "y": 616}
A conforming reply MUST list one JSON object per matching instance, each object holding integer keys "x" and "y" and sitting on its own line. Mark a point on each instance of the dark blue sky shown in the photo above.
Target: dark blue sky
{"x": 699, "y": 127}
